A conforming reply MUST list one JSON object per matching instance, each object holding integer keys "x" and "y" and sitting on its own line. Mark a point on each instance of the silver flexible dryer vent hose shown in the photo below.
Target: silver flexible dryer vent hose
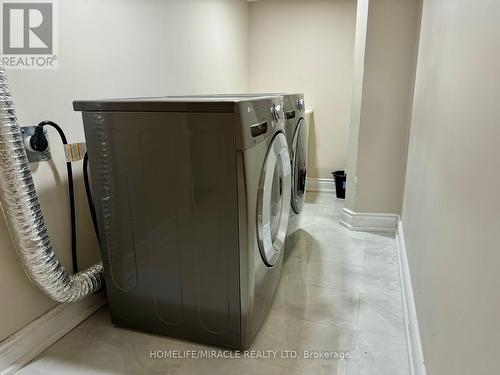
{"x": 24, "y": 217}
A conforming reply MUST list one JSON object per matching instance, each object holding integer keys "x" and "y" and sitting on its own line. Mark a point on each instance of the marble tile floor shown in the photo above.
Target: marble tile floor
{"x": 339, "y": 295}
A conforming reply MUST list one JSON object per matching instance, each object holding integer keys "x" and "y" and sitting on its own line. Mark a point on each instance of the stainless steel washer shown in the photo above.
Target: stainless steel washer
{"x": 296, "y": 131}
{"x": 192, "y": 198}
{"x": 297, "y": 134}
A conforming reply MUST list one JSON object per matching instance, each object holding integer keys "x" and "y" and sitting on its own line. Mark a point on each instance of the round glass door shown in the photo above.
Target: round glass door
{"x": 299, "y": 166}
{"x": 274, "y": 200}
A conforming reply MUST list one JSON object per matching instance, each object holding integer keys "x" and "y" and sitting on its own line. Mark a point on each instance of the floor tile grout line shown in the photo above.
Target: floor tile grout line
{"x": 323, "y": 323}
{"x": 357, "y": 315}
{"x": 331, "y": 287}
{"x": 338, "y": 288}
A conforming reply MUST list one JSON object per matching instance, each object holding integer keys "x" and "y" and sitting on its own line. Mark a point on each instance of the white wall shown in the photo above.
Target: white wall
{"x": 451, "y": 210}
{"x": 357, "y": 95}
{"x": 382, "y": 108}
{"x": 113, "y": 48}
{"x": 308, "y": 46}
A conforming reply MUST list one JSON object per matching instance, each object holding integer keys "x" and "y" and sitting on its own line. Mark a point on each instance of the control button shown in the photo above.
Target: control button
{"x": 276, "y": 111}
{"x": 301, "y": 104}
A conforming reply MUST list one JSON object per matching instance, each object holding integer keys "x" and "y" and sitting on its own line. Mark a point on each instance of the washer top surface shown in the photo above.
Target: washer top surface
{"x": 291, "y": 99}
{"x": 184, "y": 103}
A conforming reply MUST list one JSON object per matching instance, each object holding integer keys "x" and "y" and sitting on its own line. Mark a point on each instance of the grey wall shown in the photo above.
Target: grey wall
{"x": 451, "y": 211}
{"x": 382, "y": 99}
{"x": 113, "y": 48}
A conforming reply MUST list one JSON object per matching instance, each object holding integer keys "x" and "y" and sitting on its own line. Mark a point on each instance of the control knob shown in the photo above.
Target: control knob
{"x": 300, "y": 104}
{"x": 276, "y": 111}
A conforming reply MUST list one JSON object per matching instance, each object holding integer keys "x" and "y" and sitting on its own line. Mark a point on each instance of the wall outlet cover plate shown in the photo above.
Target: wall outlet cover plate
{"x": 35, "y": 157}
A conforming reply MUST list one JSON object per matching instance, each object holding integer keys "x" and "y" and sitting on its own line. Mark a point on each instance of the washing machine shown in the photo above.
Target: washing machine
{"x": 192, "y": 199}
{"x": 297, "y": 134}
{"x": 296, "y": 130}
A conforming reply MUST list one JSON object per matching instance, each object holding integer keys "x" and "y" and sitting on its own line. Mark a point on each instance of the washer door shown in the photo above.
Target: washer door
{"x": 299, "y": 166}
{"x": 274, "y": 200}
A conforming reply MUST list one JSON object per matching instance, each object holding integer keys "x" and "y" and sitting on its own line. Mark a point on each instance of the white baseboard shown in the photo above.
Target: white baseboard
{"x": 26, "y": 344}
{"x": 369, "y": 222}
{"x": 321, "y": 185}
{"x": 415, "y": 354}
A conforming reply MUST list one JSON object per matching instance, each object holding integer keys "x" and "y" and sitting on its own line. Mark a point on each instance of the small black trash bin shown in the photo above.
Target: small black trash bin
{"x": 340, "y": 182}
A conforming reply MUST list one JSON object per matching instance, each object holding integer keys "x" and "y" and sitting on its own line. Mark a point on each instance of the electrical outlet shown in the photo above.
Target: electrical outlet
{"x": 34, "y": 156}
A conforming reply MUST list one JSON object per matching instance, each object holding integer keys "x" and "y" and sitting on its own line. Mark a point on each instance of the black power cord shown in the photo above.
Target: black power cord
{"x": 39, "y": 143}
{"x": 89, "y": 194}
